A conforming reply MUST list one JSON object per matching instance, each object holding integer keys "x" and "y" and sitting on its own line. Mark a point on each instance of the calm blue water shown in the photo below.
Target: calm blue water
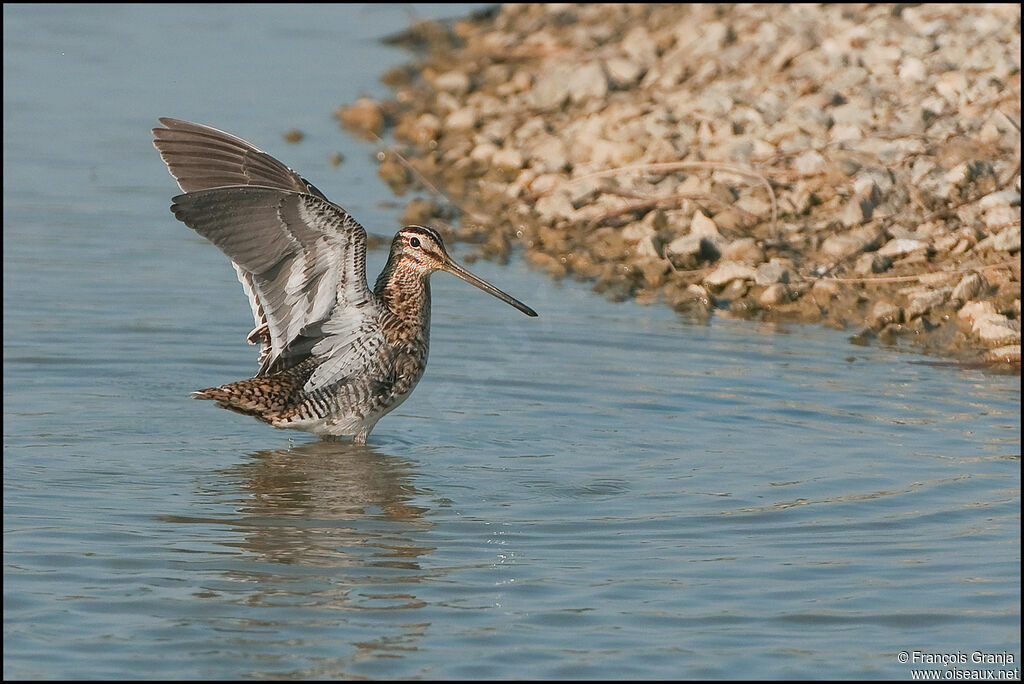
{"x": 606, "y": 491}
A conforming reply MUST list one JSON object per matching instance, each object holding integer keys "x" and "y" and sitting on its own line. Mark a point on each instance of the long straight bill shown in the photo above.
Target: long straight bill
{"x": 457, "y": 270}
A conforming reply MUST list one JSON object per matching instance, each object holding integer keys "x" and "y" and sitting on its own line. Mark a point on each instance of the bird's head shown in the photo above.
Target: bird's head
{"x": 420, "y": 250}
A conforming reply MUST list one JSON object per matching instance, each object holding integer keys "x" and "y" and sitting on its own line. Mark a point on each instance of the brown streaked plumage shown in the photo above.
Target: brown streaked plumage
{"x": 335, "y": 356}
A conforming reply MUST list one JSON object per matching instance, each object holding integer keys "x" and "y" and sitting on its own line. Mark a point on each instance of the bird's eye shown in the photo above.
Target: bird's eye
{"x": 415, "y": 242}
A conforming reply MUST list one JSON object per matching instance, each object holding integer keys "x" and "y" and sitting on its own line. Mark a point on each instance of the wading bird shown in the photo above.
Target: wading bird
{"x": 335, "y": 356}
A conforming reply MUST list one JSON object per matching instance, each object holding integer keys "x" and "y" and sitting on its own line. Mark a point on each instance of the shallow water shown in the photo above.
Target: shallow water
{"x": 604, "y": 491}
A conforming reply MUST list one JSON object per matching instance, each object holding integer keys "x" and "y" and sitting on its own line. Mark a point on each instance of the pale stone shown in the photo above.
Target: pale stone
{"x": 924, "y": 301}
{"x": 842, "y": 245}
{"x": 643, "y": 238}
{"x": 702, "y": 226}
{"x": 775, "y": 294}
{"x": 508, "y": 159}
{"x": 971, "y": 311}
{"x": 453, "y": 82}
{"x": 588, "y": 82}
{"x": 969, "y": 287}
{"x": 771, "y": 273}
{"x": 552, "y": 86}
{"x": 554, "y": 206}
{"x": 901, "y": 247}
{"x": 912, "y": 69}
{"x": 825, "y": 287}
{"x": 996, "y": 330}
{"x": 744, "y": 250}
{"x": 484, "y": 152}
{"x": 1006, "y": 354}
{"x": 728, "y": 271}
{"x": 809, "y": 163}
{"x": 883, "y": 314}
{"x": 1006, "y": 240}
{"x": 622, "y": 72}
{"x": 1001, "y": 216}
{"x": 461, "y": 119}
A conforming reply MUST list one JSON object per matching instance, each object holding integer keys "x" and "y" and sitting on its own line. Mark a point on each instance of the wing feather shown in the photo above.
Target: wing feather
{"x": 200, "y": 158}
{"x": 304, "y": 259}
{"x": 300, "y": 259}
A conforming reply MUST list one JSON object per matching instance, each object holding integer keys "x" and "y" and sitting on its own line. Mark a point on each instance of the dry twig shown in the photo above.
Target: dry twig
{"x": 664, "y": 167}
{"x": 918, "y": 276}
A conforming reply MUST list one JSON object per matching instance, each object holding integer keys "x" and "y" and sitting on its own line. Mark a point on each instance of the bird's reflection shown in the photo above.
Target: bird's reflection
{"x": 328, "y": 503}
{"x": 326, "y": 535}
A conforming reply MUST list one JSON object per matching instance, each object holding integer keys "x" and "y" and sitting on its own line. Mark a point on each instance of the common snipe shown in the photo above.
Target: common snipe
{"x": 335, "y": 356}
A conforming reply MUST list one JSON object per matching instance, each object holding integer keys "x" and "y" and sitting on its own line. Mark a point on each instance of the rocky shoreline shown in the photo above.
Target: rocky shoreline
{"x": 852, "y": 165}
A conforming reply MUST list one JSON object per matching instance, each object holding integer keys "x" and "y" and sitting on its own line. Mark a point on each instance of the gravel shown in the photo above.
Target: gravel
{"x": 852, "y": 165}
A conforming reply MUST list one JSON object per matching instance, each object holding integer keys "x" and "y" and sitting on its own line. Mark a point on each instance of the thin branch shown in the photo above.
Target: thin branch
{"x": 667, "y": 201}
{"x": 679, "y": 166}
{"x": 908, "y": 278}
{"x": 389, "y": 149}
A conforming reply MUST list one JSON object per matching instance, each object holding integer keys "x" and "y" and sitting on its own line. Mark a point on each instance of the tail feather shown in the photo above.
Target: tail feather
{"x": 265, "y": 398}
{"x": 215, "y": 393}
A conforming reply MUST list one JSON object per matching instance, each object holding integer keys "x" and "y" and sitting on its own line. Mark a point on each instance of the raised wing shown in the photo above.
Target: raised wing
{"x": 300, "y": 258}
{"x": 306, "y": 260}
{"x": 201, "y": 158}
